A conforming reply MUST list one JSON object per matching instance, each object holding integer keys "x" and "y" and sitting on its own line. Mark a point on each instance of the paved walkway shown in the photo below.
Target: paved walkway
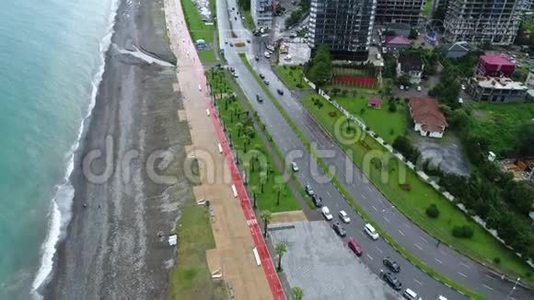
{"x": 235, "y": 229}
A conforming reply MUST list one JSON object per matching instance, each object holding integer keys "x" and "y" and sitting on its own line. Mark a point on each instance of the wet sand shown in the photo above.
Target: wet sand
{"x": 112, "y": 249}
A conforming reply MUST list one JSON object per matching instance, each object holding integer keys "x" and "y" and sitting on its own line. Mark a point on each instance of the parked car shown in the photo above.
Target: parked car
{"x": 259, "y": 98}
{"x": 294, "y": 166}
{"x": 326, "y": 213}
{"x": 339, "y": 229}
{"x": 371, "y": 231}
{"x": 256, "y": 58}
{"x": 463, "y": 87}
{"x": 267, "y": 54}
{"x": 355, "y": 247}
{"x": 392, "y": 280}
{"x": 317, "y": 200}
{"x": 262, "y": 76}
{"x": 391, "y": 264}
{"x": 418, "y": 88}
{"x": 280, "y": 92}
{"x": 410, "y": 295}
{"x": 344, "y": 216}
{"x": 309, "y": 190}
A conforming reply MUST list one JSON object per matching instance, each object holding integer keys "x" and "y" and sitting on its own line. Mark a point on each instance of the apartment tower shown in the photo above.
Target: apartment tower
{"x": 398, "y": 11}
{"x": 483, "y": 21}
{"x": 343, "y": 25}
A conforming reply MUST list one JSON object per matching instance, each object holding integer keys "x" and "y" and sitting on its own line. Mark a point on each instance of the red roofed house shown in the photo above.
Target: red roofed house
{"x": 495, "y": 65}
{"x": 397, "y": 42}
{"x": 427, "y": 117}
{"x": 374, "y": 102}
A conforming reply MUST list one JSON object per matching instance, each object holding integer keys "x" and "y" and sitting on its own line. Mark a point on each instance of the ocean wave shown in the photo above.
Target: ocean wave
{"x": 61, "y": 205}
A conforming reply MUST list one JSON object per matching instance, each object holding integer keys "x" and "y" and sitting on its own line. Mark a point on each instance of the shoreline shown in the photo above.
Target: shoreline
{"x": 112, "y": 248}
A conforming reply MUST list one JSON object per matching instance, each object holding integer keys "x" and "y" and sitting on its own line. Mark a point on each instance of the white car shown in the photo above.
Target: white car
{"x": 463, "y": 87}
{"x": 326, "y": 213}
{"x": 371, "y": 231}
{"x": 418, "y": 88}
{"x": 401, "y": 87}
{"x": 344, "y": 216}
{"x": 267, "y": 54}
{"x": 294, "y": 166}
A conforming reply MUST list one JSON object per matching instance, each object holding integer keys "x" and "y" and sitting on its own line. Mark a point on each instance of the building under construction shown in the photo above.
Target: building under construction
{"x": 398, "y": 11}
{"x": 483, "y": 21}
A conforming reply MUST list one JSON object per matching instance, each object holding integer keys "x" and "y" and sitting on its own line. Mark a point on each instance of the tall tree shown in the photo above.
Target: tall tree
{"x": 266, "y": 216}
{"x": 280, "y": 249}
{"x": 297, "y": 293}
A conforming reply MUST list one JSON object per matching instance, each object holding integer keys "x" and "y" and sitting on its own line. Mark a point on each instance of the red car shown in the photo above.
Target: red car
{"x": 355, "y": 247}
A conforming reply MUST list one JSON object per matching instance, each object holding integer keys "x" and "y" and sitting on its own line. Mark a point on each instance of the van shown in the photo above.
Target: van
{"x": 410, "y": 295}
{"x": 371, "y": 231}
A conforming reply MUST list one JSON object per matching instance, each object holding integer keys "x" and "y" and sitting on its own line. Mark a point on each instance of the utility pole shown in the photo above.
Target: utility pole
{"x": 513, "y": 288}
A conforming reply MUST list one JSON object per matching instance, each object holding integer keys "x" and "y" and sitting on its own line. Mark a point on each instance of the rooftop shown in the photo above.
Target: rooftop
{"x": 410, "y": 62}
{"x": 501, "y": 83}
{"x": 425, "y": 110}
{"x": 397, "y": 40}
{"x": 496, "y": 59}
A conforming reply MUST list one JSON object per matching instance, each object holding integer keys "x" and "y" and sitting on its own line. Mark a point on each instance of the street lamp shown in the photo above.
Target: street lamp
{"x": 513, "y": 288}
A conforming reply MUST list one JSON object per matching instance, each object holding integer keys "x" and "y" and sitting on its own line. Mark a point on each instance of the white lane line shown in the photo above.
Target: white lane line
{"x": 462, "y": 274}
{"x": 466, "y": 266}
{"x": 424, "y": 240}
{"x": 488, "y": 287}
{"x": 406, "y": 225}
{"x": 387, "y": 220}
{"x": 418, "y": 282}
{"x": 374, "y": 207}
{"x": 418, "y": 247}
{"x": 363, "y": 196}
{"x": 489, "y": 276}
{"x": 379, "y": 250}
{"x": 438, "y": 260}
{"x": 402, "y": 233}
{"x": 370, "y": 257}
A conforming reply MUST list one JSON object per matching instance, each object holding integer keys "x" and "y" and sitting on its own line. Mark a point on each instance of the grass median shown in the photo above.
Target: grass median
{"x": 291, "y": 76}
{"x": 191, "y": 278}
{"x": 341, "y": 188}
{"x": 199, "y": 30}
{"x": 264, "y": 179}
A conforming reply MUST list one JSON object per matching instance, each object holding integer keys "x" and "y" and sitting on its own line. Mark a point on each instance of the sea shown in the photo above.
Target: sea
{"x": 51, "y": 62}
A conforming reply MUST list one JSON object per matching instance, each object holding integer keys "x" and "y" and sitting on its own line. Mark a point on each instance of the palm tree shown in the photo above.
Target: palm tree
{"x": 278, "y": 188}
{"x": 280, "y": 249}
{"x": 263, "y": 179}
{"x": 239, "y": 127}
{"x": 246, "y": 142}
{"x": 254, "y": 190}
{"x": 266, "y": 216}
{"x": 297, "y": 293}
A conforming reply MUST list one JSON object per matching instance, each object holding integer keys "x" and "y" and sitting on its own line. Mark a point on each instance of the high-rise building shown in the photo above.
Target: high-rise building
{"x": 398, "y": 11}
{"x": 345, "y": 26}
{"x": 262, "y": 11}
{"x": 483, "y": 21}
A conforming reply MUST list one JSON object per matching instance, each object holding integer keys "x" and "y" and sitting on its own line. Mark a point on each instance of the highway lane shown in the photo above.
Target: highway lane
{"x": 441, "y": 259}
{"x": 288, "y": 142}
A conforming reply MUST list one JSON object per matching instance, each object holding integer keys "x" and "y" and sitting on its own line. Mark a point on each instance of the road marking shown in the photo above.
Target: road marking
{"x": 438, "y": 260}
{"x": 418, "y": 247}
{"x": 418, "y": 282}
{"x": 466, "y": 266}
{"x": 402, "y": 233}
{"x": 424, "y": 240}
{"x": 379, "y": 250}
{"x": 370, "y": 257}
{"x": 363, "y": 196}
{"x": 462, "y": 274}
{"x": 387, "y": 220}
{"x": 489, "y": 276}
{"x": 488, "y": 287}
{"x": 406, "y": 225}
{"x": 374, "y": 207}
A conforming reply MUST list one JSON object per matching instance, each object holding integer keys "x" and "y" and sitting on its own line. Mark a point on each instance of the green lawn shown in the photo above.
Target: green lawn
{"x": 191, "y": 278}
{"x": 388, "y": 125}
{"x": 413, "y": 202}
{"x": 199, "y": 30}
{"x": 248, "y": 22}
{"x": 500, "y": 123}
{"x": 291, "y": 76}
{"x": 237, "y": 122}
{"x": 427, "y": 8}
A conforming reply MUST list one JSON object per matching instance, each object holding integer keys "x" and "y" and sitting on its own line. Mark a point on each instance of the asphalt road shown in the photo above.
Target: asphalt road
{"x": 442, "y": 259}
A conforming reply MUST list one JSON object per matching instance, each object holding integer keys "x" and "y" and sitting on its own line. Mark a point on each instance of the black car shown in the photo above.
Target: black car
{"x": 235, "y": 18}
{"x": 259, "y": 98}
{"x": 309, "y": 190}
{"x": 317, "y": 201}
{"x": 391, "y": 264}
{"x": 248, "y": 41}
{"x": 339, "y": 229}
{"x": 262, "y": 76}
{"x": 266, "y": 81}
{"x": 392, "y": 280}
{"x": 280, "y": 92}
{"x": 256, "y": 58}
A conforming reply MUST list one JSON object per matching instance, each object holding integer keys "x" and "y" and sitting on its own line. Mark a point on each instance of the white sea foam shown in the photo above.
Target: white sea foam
{"x": 61, "y": 205}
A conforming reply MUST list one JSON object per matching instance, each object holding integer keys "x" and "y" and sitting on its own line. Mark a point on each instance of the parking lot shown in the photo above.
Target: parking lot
{"x": 318, "y": 262}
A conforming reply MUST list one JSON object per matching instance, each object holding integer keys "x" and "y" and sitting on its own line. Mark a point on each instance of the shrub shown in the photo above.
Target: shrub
{"x": 463, "y": 231}
{"x": 405, "y": 187}
{"x": 497, "y": 260}
{"x": 432, "y": 211}
{"x": 299, "y": 85}
{"x": 332, "y": 114}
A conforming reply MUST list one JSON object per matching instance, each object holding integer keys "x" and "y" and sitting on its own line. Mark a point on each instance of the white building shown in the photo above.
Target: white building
{"x": 497, "y": 89}
{"x": 262, "y": 12}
